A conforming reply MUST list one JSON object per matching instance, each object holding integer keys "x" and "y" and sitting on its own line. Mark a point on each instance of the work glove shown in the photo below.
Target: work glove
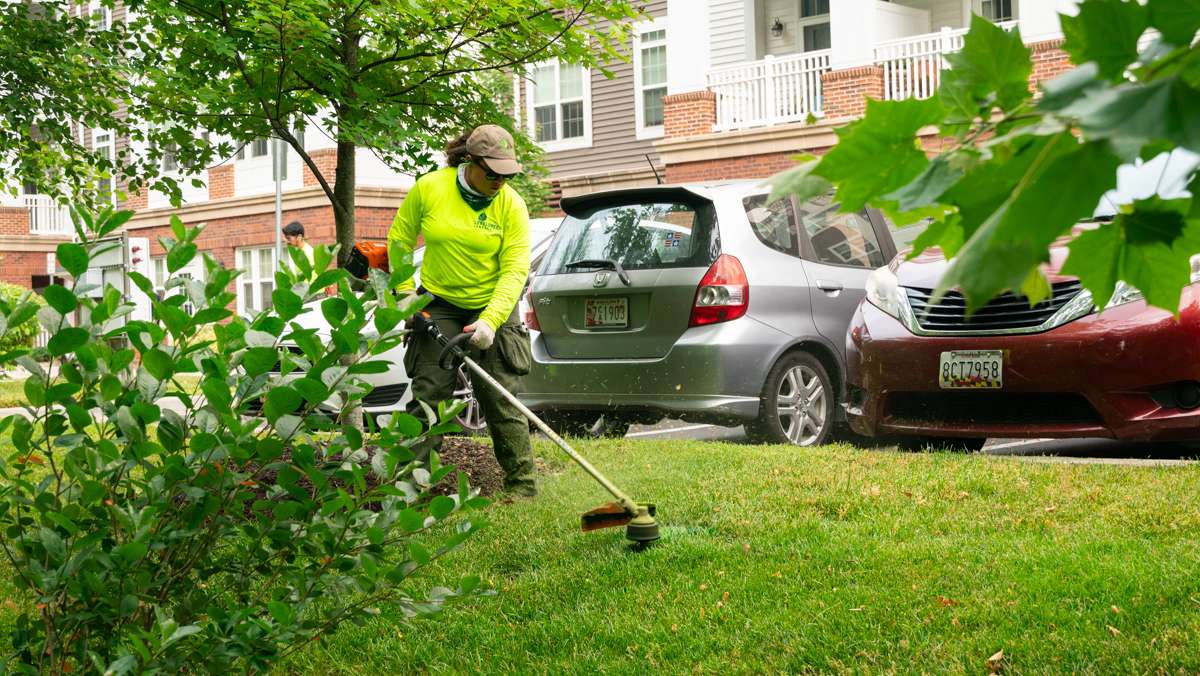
{"x": 482, "y": 334}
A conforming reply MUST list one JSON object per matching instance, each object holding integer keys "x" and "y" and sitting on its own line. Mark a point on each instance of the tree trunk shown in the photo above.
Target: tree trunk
{"x": 344, "y": 184}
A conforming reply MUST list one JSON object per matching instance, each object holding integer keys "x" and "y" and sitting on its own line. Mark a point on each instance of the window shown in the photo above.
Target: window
{"x": 646, "y": 235}
{"x": 838, "y": 238}
{"x": 996, "y": 10}
{"x": 560, "y": 106}
{"x": 257, "y": 281}
{"x": 102, "y": 144}
{"x": 260, "y": 147}
{"x": 101, "y": 18}
{"x": 159, "y": 277}
{"x": 169, "y": 161}
{"x": 774, "y": 224}
{"x": 814, "y": 25}
{"x": 650, "y": 78}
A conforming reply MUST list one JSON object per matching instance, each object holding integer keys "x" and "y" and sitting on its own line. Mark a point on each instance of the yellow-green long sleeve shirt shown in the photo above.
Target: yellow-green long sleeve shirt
{"x": 473, "y": 259}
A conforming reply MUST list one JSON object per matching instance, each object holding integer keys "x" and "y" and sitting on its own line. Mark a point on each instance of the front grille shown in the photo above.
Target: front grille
{"x": 991, "y": 408}
{"x": 1007, "y": 311}
{"x": 385, "y": 395}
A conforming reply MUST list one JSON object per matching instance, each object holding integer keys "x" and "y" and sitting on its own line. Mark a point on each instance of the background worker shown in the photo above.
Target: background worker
{"x": 476, "y": 230}
{"x": 293, "y": 234}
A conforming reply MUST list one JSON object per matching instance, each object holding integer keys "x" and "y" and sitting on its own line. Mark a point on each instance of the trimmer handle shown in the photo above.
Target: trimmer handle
{"x": 422, "y": 322}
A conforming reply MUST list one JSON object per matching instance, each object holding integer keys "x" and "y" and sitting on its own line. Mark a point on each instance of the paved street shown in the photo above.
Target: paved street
{"x": 1061, "y": 450}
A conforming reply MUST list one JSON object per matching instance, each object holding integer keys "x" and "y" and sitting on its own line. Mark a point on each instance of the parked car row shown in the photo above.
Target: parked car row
{"x": 708, "y": 303}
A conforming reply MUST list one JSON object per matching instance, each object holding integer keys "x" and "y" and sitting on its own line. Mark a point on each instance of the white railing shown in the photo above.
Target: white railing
{"x": 912, "y": 66}
{"x": 47, "y": 217}
{"x": 772, "y": 91}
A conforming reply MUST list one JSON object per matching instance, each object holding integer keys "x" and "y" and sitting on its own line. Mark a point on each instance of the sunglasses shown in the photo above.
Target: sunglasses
{"x": 491, "y": 175}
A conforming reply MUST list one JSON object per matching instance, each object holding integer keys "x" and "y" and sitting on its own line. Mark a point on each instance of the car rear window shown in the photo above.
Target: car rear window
{"x": 639, "y": 236}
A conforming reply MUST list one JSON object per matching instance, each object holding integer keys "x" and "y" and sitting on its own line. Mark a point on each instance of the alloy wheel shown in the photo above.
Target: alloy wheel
{"x": 470, "y": 419}
{"x": 802, "y": 405}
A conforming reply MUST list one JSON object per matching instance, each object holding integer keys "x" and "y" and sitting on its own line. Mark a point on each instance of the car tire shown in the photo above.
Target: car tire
{"x": 471, "y": 418}
{"x": 797, "y": 403}
{"x": 586, "y": 424}
{"x": 951, "y": 444}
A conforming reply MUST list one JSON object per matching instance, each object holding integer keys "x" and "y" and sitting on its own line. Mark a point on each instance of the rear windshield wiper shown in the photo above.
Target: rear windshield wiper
{"x": 607, "y": 263}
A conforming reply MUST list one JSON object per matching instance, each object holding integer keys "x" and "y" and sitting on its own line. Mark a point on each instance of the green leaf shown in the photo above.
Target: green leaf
{"x": 1162, "y": 110}
{"x": 259, "y": 360}
{"x": 179, "y": 256}
{"x": 1069, "y": 87}
{"x": 67, "y": 340}
{"x": 313, "y": 391}
{"x": 334, "y": 310}
{"x": 1177, "y": 20}
{"x": 281, "y": 401}
{"x": 280, "y": 611}
{"x": 878, "y": 153}
{"x": 799, "y": 182}
{"x": 73, "y": 258}
{"x": 1055, "y": 198}
{"x": 419, "y": 553}
{"x": 1105, "y": 32}
{"x": 370, "y": 367}
{"x": 1155, "y": 220}
{"x": 1158, "y": 271}
{"x": 991, "y": 70}
{"x": 927, "y": 187}
{"x": 441, "y": 507}
{"x": 158, "y": 363}
{"x": 60, "y": 298}
{"x": 287, "y": 304}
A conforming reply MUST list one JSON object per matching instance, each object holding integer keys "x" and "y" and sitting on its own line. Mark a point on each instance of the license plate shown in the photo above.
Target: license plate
{"x": 971, "y": 369}
{"x": 606, "y": 313}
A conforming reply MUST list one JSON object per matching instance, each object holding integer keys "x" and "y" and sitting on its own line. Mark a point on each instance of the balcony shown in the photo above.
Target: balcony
{"x": 47, "y": 217}
{"x": 768, "y": 92}
{"x": 789, "y": 88}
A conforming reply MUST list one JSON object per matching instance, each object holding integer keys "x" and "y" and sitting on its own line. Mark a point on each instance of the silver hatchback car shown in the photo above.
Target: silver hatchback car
{"x": 699, "y": 302}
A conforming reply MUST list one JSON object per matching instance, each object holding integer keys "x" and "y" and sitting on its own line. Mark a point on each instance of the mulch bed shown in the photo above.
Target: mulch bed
{"x": 467, "y": 455}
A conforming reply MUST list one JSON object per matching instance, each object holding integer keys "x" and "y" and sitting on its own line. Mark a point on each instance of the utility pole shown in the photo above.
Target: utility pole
{"x": 277, "y": 160}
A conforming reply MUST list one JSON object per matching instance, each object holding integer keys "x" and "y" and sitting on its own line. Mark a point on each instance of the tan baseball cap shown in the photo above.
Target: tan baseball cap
{"x": 494, "y": 145}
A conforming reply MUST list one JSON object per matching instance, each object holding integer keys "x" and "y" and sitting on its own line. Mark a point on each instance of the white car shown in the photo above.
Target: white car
{"x": 391, "y": 391}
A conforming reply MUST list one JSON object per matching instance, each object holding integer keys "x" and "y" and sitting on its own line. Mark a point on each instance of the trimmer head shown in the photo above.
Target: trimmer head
{"x": 641, "y": 527}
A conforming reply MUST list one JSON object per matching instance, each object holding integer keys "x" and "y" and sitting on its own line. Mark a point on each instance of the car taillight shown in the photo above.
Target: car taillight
{"x": 724, "y": 293}
{"x": 530, "y": 315}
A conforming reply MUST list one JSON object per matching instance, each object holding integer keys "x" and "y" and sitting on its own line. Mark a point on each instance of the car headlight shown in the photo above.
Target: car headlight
{"x": 1122, "y": 294}
{"x": 883, "y": 291}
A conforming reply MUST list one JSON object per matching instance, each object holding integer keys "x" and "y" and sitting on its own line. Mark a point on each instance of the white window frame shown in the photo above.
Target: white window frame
{"x": 560, "y": 143}
{"x": 644, "y": 132}
{"x": 976, "y": 7}
{"x": 110, "y": 146}
{"x": 95, "y": 7}
{"x": 254, "y": 276}
{"x": 803, "y": 22}
{"x": 159, "y": 277}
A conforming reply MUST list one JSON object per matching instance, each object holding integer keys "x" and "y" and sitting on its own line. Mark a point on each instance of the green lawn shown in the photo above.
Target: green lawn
{"x": 12, "y": 393}
{"x": 830, "y": 560}
{"x": 780, "y": 560}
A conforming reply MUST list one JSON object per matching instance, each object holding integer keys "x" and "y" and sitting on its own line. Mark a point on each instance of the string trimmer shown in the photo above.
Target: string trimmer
{"x": 638, "y": 519}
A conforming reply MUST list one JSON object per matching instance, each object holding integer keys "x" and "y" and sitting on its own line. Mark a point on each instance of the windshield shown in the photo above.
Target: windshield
{"x": 638, "y": 236}
{"x": 1165, "y": 176}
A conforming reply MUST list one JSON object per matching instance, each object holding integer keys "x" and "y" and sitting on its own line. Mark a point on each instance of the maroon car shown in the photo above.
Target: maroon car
{"x": 1062, "y": 368}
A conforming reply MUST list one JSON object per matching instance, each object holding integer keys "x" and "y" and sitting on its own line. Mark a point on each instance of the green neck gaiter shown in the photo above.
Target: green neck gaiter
{"x": 474, "y": 199}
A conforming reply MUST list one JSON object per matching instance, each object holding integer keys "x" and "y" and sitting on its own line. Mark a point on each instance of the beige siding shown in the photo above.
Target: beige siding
{"x": 727, "y": 31}
{"x": 788, "y": 13}
{"x": 615, "y": 146}
{"x": 946, "y": 13}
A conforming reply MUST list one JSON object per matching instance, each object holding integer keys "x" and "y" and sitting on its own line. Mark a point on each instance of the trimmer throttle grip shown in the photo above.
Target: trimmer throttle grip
{"x": 451, "y": 350}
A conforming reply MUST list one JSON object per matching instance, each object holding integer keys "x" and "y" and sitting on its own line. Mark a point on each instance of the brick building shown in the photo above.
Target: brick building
{"x": 732, "y": 89}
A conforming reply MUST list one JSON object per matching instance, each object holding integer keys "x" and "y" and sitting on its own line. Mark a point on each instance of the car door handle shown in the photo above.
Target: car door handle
{"x": 831, "y": 287}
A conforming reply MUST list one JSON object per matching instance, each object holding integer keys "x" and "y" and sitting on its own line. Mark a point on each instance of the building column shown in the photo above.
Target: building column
{"x": 852, "y": 33}
{"x": 687, "y": 56}
{"x": 220, "y": 181}
{"x": 845, "y": 92}
{"x": 689, "y": 114}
